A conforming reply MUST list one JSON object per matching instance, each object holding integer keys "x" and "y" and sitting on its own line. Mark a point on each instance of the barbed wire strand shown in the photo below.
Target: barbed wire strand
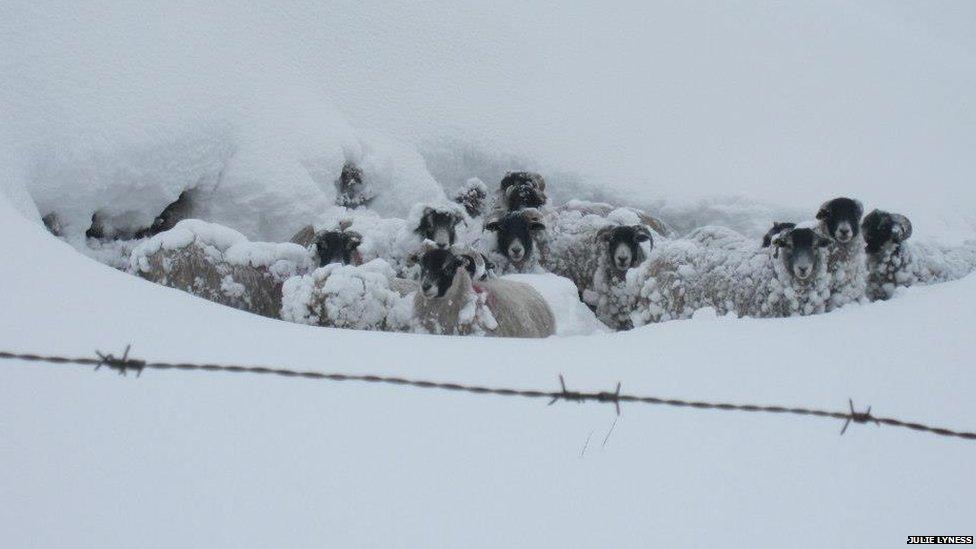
{"x": 125, "y": 364}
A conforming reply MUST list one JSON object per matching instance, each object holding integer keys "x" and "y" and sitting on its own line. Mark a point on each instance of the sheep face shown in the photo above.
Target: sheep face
{"x": 880, "y": 228}
{"x": 438, "y": 267}
{"x": 473, "y": 199}
{"x": 841, "y": 218}
{"x": 778, "y": 227}
{"x": 351, "y": 191}
{"x": 623, "y": 245}
{"x": 523, "y": 190}
{"x": 801, "y": 251}
{"x": 338, "y": 247}
{"x": 516, "y": 233}
{"x": 438, "y": 226}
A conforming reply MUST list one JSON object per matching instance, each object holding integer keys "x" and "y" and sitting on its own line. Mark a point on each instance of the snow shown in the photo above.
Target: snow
{"x": 572, "y": 316}
{"x": 118, "y": 108}
{"x": 236, "y": 460}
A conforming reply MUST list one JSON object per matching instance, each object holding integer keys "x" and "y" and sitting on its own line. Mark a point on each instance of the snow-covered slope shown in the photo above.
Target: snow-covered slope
{"x": 196, "y": 459}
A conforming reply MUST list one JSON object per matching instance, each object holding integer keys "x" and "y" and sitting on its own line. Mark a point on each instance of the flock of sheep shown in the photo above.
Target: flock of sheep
{"x": 441, "y": 269}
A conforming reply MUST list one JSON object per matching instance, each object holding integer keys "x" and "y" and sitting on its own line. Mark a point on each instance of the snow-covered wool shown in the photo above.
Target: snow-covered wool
{"x": 893, "y": 261}
{"x": 221, "y": 265}
{"x": 450, "y": 302}
{"x": 603, "y": 209}
{"x": 473, "y": 195}
{"x": 840, "y": 220}
{"x": 517, "y": 242}
{"x": 362, "y": 297}
{"x": 719, "y": 268}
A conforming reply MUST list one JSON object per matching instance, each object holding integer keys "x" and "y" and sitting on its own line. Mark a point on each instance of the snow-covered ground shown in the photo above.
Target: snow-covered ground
{"x": 194, "y": 459}
{"x": 116, "y": 109}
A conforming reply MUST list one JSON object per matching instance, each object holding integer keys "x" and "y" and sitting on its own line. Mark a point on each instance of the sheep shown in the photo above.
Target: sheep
{"x": 720, "y": 268}
{"x": 840, "y": 221}
{"x": 473, "y": 195}
{"x": 362, "y": 297}
{"x": 393, "y": 240}
{"x": 893, "y": 261}
{"x": 335, "y": 246}
{"x": 221, "y": 265}
{"x": 449, "y": 302}
{"x": 778, "y": 227}
{"x": 520, "y": 190}
{"x": 518, "y": 242}
{"x": 351, "y": 190}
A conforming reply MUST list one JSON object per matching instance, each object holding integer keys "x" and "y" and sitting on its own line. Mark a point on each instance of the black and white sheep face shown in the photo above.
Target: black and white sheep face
{"x": 624, "y": 245}
{"x": 438, "y": 266}
{"x": 523, "y": 190}
{"x": 880, "y": 228}
{"x": 338, "y": 247}
{"x": 516, "y": 234}
{"x": 841, "y": 218}
{"x": 801, "y": 251}
{"x": 438, "y": 226}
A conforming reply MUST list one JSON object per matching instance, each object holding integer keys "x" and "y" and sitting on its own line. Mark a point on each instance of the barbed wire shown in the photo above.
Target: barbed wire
{"x": 124, "y": 364}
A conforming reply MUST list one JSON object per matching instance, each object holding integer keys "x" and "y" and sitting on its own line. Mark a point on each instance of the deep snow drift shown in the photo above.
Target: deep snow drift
{"x": 236, "y": 460}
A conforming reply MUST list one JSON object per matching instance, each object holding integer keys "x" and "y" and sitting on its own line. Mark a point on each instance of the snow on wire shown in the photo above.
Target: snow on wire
{"x": 125, "y": 364}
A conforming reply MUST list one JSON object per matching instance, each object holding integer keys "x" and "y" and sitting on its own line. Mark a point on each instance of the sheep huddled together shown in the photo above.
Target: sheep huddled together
{"x": 443, "y": 269}
{"x": 718, "y": 268}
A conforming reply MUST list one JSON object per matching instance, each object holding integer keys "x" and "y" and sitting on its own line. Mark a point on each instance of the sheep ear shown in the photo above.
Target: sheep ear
{"x": 537, "y": 226}
{"x": 492, "y": 226}
{"x": 823, "y": 242}
{"x": 345, "y": 224}
{"x": 643, "y": 233}
{"x": 605, "y": 233}
{"x": 429, "y": 245}
{"x": 860, "y": 208}
{"x": 822, "y": 213}
{"x": 540, "y": 182}
{"x": 902, "y": 229}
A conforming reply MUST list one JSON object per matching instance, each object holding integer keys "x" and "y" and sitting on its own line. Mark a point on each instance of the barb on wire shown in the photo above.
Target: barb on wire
{"x": 123, "y": 364}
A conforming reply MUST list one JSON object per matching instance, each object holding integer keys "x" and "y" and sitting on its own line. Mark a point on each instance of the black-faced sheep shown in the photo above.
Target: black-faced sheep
{"x": 840, "y": 220}
{"x": 519, "y": 190}
{"x": 450, "y": 302}
{"x": 438, "y": 224}
{"x": 719, "y": 268}
{"x": 220, "y": 265}
{"x": 473, "y": 195}
{"x": 518, "y": 242}
{"x": 351, "y": 190}
{"x": 332, "y": 246}
{"x": 893, "y": 261}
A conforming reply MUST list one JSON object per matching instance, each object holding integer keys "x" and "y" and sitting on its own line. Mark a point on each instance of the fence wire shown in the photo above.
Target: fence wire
{"x": 126, "y": 364}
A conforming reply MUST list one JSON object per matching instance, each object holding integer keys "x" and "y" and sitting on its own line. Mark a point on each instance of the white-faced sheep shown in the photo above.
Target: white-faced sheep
{"x": 719, "y": 268}
{"x": 221, "y": 265}
{"x": 450, "y": 302}
{"x": 840, "y": 221}
{"x": 893, "y": 261}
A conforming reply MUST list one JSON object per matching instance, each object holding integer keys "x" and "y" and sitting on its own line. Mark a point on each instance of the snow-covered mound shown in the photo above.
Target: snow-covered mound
{"x": 221, "y": 265}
